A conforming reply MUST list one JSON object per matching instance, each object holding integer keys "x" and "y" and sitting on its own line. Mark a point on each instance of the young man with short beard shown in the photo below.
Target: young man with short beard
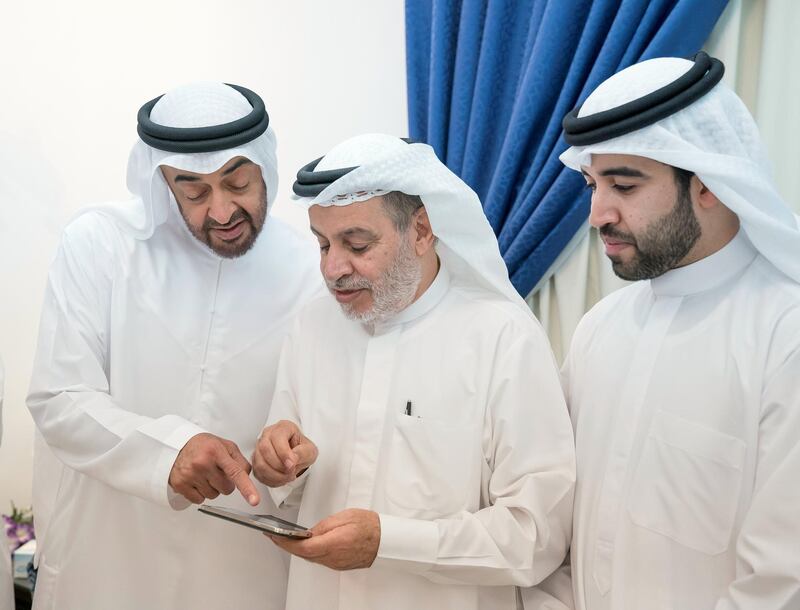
{"x": 684, "y": 388}
{"x": 417, "y": 421}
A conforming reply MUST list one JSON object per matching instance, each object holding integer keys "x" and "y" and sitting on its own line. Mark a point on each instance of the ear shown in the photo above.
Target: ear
{"x": 701, "y": 193}
{"x": 424, "y": 238}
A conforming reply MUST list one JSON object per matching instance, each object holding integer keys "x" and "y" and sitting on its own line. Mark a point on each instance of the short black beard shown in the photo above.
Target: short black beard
{"x": 239, "y": 248}
{"x": 662, "y": 246}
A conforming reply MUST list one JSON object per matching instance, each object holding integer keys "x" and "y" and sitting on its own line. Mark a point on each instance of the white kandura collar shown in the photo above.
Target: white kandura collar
{"x": 709, "y": 272}
{"x": 425, "y": 303}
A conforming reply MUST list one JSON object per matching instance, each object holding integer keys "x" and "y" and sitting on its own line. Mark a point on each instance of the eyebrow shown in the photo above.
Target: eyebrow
{"x": 231, "y": 169}
{"x": 236, "y": 166}
{"x": 628, "y": 172}
{"x": 351, "y": 232}
{"x": 185, "y": 178}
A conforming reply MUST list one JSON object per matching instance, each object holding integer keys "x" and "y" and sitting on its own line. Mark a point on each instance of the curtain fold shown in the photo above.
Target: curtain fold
{"x": 488, "y": 85}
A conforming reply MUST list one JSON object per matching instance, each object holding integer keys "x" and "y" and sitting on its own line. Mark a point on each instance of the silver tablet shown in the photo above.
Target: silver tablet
{"x": 265, "y": 523}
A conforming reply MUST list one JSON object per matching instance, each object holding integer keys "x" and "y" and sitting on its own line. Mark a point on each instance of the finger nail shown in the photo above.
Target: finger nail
{"x": 289, "y": 464}
{"x": 253, "y": 500}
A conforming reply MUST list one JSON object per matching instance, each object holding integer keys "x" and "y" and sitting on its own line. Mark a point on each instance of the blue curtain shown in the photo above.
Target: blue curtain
{"x": 490, "y": 80}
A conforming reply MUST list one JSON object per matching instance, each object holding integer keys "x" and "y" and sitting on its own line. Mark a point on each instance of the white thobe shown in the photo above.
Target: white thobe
{"x": 6, "y": 582}
{"x": 473, "y": 488}
{"x": 684, "y": 392}
{"x": 143, "y": 344}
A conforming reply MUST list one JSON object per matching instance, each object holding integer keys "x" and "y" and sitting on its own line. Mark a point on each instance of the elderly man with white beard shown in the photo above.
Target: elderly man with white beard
{"x": 417, "y": 419}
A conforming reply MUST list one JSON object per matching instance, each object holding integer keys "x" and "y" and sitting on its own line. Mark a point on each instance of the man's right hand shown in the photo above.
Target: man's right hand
{"x": 282, "y": 453}
{"x": 208, "y": 466}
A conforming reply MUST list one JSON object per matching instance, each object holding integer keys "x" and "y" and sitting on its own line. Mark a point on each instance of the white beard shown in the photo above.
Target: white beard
{"x": 392, "y": 292}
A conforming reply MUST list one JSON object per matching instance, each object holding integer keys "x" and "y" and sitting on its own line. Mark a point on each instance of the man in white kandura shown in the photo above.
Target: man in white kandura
{"x": 445, "y": 455}
{"x": 684, "y": 388}
{"x": 158, "y": 350}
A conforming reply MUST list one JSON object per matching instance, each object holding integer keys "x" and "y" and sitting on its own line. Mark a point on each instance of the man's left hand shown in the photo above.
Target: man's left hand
{"x": 345, "y": 541}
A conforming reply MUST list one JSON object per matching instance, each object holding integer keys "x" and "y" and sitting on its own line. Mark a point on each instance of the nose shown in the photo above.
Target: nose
{"x": 604, "y": 211}
{"x": 335, "y": 263}
{"x": 221, "y": 207}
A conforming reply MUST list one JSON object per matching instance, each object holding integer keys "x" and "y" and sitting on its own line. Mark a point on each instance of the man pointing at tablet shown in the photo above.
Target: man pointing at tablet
{"x": 158, "y": 350}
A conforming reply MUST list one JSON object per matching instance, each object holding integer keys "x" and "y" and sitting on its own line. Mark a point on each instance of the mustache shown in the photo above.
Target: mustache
{"x": 350, "y": 282}
{"x": 238, "y": 215}
{"x": 611, "y": 232}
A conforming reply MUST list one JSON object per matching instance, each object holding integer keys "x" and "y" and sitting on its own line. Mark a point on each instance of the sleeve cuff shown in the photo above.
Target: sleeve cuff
{"x": 176, "y": 501}
{"x": 281, "y": 494}
{"x": 173, "y": 443}
{"x": 412, "y": 541}
{"x": 176, "y": 434}
{"x": 161, "y": 492}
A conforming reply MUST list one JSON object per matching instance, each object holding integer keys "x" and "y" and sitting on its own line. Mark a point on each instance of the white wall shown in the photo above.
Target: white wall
{"x": 75, "y": 74}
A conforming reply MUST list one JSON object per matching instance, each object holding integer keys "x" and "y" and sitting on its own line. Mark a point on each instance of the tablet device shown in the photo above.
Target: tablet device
{"x": 265, "y": 523}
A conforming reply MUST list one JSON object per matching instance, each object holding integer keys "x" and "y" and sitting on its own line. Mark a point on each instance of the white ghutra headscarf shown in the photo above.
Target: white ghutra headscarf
{"x": 466, "y": 244}
{"x": 194, "y": 105}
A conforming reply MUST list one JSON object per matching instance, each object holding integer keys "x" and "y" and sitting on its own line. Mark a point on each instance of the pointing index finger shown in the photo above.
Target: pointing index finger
{"x": 238, "y": 475}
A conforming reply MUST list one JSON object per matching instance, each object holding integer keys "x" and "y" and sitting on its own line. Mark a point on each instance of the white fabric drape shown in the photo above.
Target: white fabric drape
{"x": 757, "y": 41}
{"x": 778, "y": 86}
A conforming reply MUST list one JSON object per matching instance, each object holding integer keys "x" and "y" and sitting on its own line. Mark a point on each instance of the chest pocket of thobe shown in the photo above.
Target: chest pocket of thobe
{"x": 687, "y": 483}
{"x": 432, "y": 466}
